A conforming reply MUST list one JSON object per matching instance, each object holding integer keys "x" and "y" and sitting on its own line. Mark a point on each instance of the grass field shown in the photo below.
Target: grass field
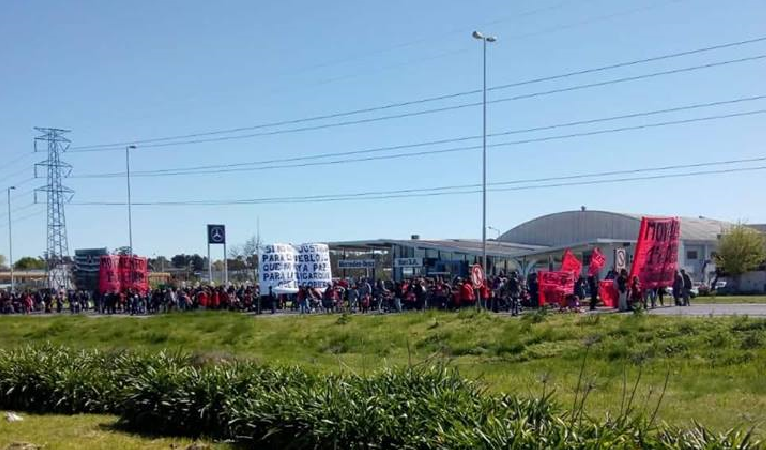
{"x": 83, "y": 431}
{"x": 730, "y": 300}
{"x": 715, "y": 364}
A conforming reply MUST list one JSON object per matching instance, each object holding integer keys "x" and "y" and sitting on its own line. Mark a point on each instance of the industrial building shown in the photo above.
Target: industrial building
{"x": 536, "y": 244}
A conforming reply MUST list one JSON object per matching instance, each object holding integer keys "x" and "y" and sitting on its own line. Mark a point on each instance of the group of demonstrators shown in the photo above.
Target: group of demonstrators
{"x": 134, "y": 302}
{"x": 632, "y": 294}
{"x": 501, "y": 293}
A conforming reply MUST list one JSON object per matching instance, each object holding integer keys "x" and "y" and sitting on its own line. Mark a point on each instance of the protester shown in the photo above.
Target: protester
{"x": 593, "y": 287}
{"x": 622, "y": 287}
{"x": 467, "y": 297}
{"x": 660, "y": 295}
{"x": 678, "y": 287}
{"x": 635, "y": 293}
{"x": 533, "y": 289}
{"x": 687, "y": 288}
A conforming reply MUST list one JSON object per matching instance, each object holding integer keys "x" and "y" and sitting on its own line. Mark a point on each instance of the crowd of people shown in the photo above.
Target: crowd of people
{"x": 632, "y": 294}
{"x": 501, "y": 293}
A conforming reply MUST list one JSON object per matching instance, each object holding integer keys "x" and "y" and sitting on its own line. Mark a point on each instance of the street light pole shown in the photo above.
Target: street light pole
{"x": 10, "y": 239}
{"x": 484, "y": 40}
{"x": 130, "y": 205}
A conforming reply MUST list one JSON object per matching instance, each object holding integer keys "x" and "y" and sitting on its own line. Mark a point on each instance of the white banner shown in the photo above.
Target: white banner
{"x": 312, "y": 264}
{"x": 408, "y": 262}
{"x": 356, "y": 264}
{"x": 276, "y": 269}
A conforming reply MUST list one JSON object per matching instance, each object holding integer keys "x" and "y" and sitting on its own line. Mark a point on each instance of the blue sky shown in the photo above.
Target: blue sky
{"x": 116, "y": 71}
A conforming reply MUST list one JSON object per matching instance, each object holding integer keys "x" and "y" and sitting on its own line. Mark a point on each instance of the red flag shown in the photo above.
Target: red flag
{"x": 570, "y": 263}
{"x": 109, "y": 274}
{"x": 656, "y": 256}
{"x": 597, "y": 262}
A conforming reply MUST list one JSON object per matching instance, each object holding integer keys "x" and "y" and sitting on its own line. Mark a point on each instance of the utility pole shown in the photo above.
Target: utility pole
{"x": 484, "y": 40}
{"x": 56, "y": 194}
{"x": 130, "y": 203}
{"x": 10, "y": 239}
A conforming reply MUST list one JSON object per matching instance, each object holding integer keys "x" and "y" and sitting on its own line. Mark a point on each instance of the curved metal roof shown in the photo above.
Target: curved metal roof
{"x": 566, "y": 227}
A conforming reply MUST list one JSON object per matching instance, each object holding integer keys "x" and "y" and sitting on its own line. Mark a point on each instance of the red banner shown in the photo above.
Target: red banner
{"x": 570, "y": 263}
{"x": 597, "y": 262}
{"x": 126, "y": 278}
{"x": 109, "y": 275}
{"x": 656, "y": 256}
{"x": 140, "y": 279}
{"x": 553, "y": 287}
{"x": 608, "y": 294}
{"x": 122, "y": 273}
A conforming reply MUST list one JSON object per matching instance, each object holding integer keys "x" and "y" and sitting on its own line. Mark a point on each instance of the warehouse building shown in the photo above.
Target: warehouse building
{"x": 533, "y": 245}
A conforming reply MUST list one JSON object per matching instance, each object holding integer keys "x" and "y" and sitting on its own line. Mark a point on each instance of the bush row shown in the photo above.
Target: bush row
{"x": 288, "y": 408}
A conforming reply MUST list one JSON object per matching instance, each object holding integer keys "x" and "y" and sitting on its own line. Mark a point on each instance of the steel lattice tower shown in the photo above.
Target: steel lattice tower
{"x": 56, "y": 194}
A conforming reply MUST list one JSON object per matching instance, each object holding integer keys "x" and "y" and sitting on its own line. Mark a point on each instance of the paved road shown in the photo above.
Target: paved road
{"x": 742, "y": 309}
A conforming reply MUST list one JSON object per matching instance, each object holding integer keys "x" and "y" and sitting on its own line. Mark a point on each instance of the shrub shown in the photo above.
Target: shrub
{"x": 418, "y": 407}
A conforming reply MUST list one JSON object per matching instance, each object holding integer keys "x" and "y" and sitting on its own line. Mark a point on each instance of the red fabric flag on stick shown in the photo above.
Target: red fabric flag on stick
{"x": 570, "y": 263}
{"x": 597, "y": 262}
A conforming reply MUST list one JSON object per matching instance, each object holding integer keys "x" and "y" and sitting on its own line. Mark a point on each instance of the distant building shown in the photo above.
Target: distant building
{"x": 32, "y": 279}
{"x": 533, "y": 245}
{"x": 584, "y": 229}
{"x": 87, "y": 265}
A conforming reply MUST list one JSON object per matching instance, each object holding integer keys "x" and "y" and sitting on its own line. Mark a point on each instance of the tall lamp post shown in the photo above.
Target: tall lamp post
{"x": 478, "y": 35}
{"x": 10, "y": 239}
{"x": 499, "y": 233}
{"x": 130, "y": 205}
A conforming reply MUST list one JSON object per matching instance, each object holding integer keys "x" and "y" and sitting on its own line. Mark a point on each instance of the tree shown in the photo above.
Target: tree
{"x": 198, "y": 263}
{"x": 247, "y": 252}
{"x": 740, "y": 250}
{"x": 180, "y": 261}
{"x": 29, "y": 263}
{"x": 159, "y": 264}
{"x": 2, "y": 260}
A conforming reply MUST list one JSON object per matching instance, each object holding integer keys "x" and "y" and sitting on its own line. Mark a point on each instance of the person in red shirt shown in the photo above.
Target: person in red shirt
{"x": 202, "y": 298}
{"x": 215, "y": 299}
{"x": 485, "y": 295}
{"x": 467, "y": 297}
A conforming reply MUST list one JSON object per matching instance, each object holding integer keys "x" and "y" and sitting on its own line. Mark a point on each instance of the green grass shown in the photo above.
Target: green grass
{"x": 729, "y": 300}
{"x": 83, "y": 431}
{"x": 715, "y": 364}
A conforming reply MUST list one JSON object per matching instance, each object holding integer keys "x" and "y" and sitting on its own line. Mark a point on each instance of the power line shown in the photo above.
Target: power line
{"x": 440, "y": 109}
{"x": 422, "y": 100}
{"x": 13, "y": 162}
{"x": 22, "y": 218}
{"x": 440, "y": 151}
{"x": 207, "y": 168}
{"x": 431, "y": 37}
{"x": 377, "y": 194}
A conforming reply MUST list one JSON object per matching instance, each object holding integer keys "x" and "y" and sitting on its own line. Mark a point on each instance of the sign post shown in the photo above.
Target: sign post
{"x": 216, "y": 234}
{"x": 477, "y": 280}
{"x": 620, "y": 259}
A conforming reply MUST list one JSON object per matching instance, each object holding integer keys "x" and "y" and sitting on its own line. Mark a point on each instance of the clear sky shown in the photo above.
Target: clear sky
{"x": 117, "y": 71}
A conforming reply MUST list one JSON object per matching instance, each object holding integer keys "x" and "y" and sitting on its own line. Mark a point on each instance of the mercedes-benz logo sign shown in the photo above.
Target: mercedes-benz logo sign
{"x": 216, "y": 234}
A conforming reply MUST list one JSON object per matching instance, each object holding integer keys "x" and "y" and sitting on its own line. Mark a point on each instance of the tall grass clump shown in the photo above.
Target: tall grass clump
{"x": 267, "y": 407}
